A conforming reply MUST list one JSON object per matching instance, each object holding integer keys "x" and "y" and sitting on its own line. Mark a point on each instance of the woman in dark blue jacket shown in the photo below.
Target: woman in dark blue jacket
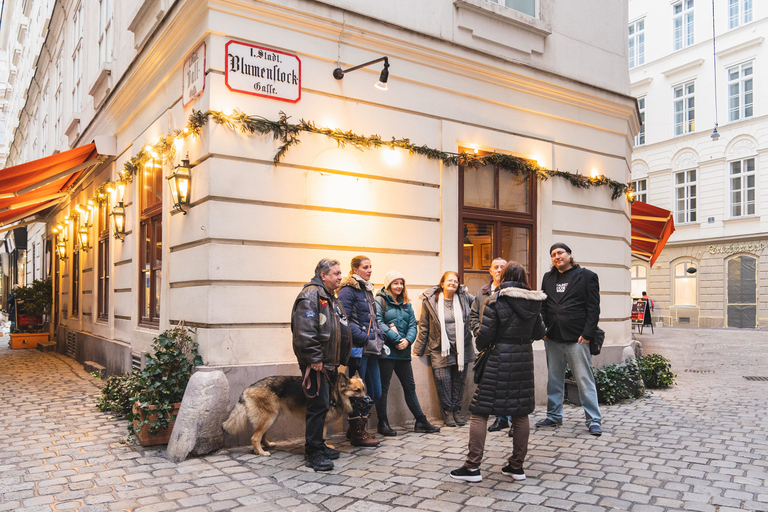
{"x": 397, "y": 321}
{"x": 356, "y": 294}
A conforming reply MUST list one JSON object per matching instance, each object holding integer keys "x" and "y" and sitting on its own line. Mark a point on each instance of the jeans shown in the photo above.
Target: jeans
{"x": 580, "y": 360}
{"x": 317, "y": 409}
{"x": 477, "y": 433}
{"x": 368, "y": 367}
{"x": 404, "y": 371}
{"x": 449, "y": 384}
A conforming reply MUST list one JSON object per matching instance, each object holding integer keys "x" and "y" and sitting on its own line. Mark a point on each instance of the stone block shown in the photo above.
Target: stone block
{"x": 91, "y": 367}
{"x": 204, "y": 408}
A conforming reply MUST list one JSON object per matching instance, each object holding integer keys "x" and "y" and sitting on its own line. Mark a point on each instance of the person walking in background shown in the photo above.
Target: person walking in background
{"x": 356, "y": 294}
{"x": 397, "y": 321}
{"x": 445, "y": 335}
{"x": 650, "y": 301}
{"x": 476, "y": 317}
{"x": 571, "y": 313}
{"x": 511, "y": 321}
{"x": 321, "y": 342}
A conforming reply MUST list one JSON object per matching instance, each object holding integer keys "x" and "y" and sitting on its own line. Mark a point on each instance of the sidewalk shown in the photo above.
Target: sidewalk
{"x": 701, "y": 446}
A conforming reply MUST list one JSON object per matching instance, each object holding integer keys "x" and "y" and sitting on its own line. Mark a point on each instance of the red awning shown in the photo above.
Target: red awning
{"x": 651, "y": 228}
{"x": 28, "y": 188}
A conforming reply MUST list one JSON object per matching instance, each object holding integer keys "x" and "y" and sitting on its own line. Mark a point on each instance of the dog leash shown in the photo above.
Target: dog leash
{"x": 306, "y": 384}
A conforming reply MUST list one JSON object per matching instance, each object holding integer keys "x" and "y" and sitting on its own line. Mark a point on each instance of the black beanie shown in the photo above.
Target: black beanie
{"x": 560, "y": 245}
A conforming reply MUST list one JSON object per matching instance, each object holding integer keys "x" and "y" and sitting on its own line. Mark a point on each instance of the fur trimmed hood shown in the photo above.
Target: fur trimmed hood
{"x": 522, "y": 293}
{"x": 350, "y": 281}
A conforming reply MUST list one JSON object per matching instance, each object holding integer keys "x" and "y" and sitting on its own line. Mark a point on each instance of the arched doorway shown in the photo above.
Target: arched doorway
{"x": 741, "y": 283}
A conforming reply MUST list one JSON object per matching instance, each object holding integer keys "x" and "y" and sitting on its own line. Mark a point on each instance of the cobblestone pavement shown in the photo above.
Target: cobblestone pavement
{"x": 700, "y": 446}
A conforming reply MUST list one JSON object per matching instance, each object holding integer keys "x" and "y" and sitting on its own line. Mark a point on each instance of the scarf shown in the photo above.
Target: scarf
{"x": 368, "y": 285}
{"x": 458, "y": 315}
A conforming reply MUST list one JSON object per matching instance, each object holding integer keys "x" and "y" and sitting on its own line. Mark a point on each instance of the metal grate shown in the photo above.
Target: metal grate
{"x": 71, "y": 344}
{"x": 697, "y": 370}
{"x": 137, "y": 360}
{"x": 756, "y": 378}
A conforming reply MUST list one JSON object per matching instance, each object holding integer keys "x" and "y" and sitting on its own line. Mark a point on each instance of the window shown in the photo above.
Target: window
{"x": 639, "y": 280}
{"x": 637, "y": 43}
{"x": 150, "y": 243}
{"x": 685, "y": 118}
{"x": 743, "y": 187}
{"x": 498, "y": 219}
{"x": 103, "y": 270}
{"x": 524, "y": 6}
{"x": 682, "y": 24}
{"x": 740, "y": 96}
{"x": 641, "y": 190}
{"x": 640, "y": 138}
{"x": 58, "y": 128}
{"x": 739, "y": 12}
{"x": 105, "y": 31}
{"x": 685, "y": 196}
{"x": 44, "y": 122}
{"x": 685, "y": 283}
{"x": 77, "y": 59}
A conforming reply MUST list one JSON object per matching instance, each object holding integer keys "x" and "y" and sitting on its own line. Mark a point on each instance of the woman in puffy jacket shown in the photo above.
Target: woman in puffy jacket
{"x": 511, "y": 321}
{"x": 445, "y": 335}
{"x": 356, "y": 294}
{"x": 398, "y": 323}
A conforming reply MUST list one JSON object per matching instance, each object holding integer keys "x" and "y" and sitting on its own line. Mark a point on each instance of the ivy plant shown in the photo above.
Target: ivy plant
{"x": 117, "y": 392}
{"x": 656, "y": 371}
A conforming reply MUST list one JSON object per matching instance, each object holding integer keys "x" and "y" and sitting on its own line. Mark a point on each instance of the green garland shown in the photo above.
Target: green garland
{"x": 288, "y": 134}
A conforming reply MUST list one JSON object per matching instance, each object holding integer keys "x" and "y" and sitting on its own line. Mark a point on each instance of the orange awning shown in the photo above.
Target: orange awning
{"x": 651, "y": 228}
{"x": 28, "y": 188}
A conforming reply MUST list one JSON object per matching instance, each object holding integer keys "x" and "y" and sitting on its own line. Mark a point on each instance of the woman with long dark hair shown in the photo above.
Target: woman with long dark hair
{"x": 511, "y": 321}
{"x": 445, "y": 335}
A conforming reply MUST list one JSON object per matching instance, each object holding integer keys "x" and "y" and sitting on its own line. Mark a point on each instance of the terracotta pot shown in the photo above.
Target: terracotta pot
{"x": 162, "y": 436}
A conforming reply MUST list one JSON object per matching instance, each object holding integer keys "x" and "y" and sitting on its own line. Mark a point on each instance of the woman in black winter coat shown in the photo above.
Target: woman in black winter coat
{"x": 511, "y": 321}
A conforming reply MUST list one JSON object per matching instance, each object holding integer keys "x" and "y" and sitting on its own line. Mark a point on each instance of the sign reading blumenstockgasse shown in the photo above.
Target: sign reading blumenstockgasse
{"x": 263, "y": 72}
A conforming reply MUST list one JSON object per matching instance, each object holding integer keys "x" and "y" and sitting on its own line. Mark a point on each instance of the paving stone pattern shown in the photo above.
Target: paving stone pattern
{"x": 700, "y": 446}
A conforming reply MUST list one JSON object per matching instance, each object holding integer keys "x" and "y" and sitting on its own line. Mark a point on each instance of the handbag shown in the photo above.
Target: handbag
{"x": 373, "y": 347}
{"x": 596, "y": 343}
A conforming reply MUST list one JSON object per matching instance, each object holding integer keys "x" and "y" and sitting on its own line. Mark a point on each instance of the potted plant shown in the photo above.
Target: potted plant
{"x": 161, "y": 385}
{"x": 32, "y": 309}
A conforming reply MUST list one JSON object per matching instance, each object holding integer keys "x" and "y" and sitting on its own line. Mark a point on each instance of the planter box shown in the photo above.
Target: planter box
{"x": 162, "y": 436}
{"x": 572, "y": 392}
{"x": 28, "y": 340}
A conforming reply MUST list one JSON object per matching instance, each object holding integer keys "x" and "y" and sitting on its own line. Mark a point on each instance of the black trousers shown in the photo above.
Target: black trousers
{"x": 317, "y": 409}
{"x": 402, "y": 368}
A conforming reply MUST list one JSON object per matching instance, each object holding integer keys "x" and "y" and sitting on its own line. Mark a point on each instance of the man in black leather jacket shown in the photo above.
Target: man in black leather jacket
{"x": 570, "y": 313}
{"x": 321, "y": 341}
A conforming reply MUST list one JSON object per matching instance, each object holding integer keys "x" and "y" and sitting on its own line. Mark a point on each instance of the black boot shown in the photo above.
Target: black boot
{"x": 318, "y": 461}
{"x": 500, "y": 423}
{"x": 423, "y": 425}
{"x": 385, "y": 429}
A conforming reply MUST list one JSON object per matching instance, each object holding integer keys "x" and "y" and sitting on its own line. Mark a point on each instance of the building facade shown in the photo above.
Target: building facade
{"x": 542, "y": 80}
{"x": 714, "y": 269}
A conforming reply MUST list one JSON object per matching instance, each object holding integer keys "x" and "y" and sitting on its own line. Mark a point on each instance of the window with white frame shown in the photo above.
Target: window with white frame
{"x": 639, "y": 280}
{"x": 682, "y": 24}
{"x": 77, "y": 59}
{"x": 58, "y": 129}
{"x": 524, "y": 6}
{"x": 640, "y": 137}
{"x": 743, "y": 187}
{"x": 739, "y": 12}
{"x": 641, "y": 190}
{"x": 684, "y": 101}
{"x": 637, "y": 43}
{"x": 740, "y": 95}
{"x": 685, "y": 283}
{"x": 105, "y": 31}
{"x": 685, "y": 196}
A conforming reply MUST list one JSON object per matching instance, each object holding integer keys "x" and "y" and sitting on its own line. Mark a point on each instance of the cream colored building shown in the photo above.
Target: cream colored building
{"x": 713, "y": 270}
{"x": 546, "y": 81}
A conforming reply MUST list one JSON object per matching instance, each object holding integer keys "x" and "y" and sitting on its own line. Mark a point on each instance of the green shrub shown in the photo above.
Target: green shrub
{"x": 656, "y": 371}
{"x": 117, "y": 392}
{"x": 617, "y": 382}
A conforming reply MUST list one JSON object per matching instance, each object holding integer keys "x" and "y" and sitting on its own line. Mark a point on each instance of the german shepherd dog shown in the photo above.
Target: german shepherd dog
{"x": 263, "y": 402}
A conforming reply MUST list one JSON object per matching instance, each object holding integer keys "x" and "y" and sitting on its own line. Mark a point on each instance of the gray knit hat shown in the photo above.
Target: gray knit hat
{"x": 392, "y": 275}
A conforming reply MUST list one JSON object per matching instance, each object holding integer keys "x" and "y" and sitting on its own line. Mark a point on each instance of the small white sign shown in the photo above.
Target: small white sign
{"x": 263, "y": 72}
{"x": 194, "y": 75}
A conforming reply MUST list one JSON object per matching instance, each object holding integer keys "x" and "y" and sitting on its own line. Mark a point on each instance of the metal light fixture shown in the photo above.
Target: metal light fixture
{"x": 180, "y": 181}
{"x": 118, "y": 221}
{"x": 84, "y": 238}
{"x": 61, "y": 247}
{"x": 339, "y": 73}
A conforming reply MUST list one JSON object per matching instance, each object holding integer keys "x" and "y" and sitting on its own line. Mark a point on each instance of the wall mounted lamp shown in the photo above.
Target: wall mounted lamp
{"x": 61, "y": 247}
{"x": 84, "y": 238}
{"x": 180, "y": 182}
{"x": 118, "y": 221}
{"x": 339, "y": 73}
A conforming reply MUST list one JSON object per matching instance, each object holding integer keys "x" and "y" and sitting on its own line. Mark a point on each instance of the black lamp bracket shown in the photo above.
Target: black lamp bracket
{"x": 338, "y": 73}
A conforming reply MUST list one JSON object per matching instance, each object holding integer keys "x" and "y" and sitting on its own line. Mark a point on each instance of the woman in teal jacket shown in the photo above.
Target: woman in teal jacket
{"x": 398, "y": 322}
